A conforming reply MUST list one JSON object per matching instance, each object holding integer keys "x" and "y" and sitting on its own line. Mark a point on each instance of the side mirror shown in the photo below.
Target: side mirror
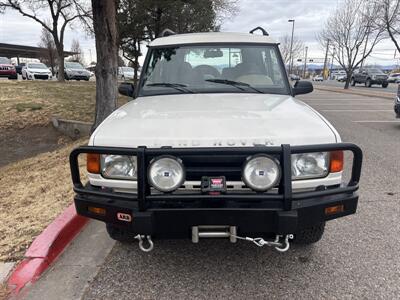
{"x": 126, "y": 89}
{"x": 302, "y": 87}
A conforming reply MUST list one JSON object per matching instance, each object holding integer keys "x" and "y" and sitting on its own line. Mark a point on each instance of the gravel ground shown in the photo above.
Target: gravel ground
{"x": 358, "y": 256}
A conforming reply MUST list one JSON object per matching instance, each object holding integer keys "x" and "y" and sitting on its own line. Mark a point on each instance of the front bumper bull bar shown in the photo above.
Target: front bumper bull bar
{"x": 172, "y": 215}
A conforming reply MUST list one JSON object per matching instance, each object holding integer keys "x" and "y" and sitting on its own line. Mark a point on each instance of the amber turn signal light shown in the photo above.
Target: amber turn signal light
{"x": 97, "y": 210}
{"x": 331, "y": 210}
{"x": 93, "y": 163}
{"x": 337, "y": 161}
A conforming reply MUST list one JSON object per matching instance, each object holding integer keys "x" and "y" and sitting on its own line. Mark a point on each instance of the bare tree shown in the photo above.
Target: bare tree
{"x": 297, "y": 50}
{"x": 389, "y": 18}
{"x": 76, "y": 48}
{"x": 351, "y": 34}
{"x": 49, "y": 53}
{"x": 105, "y": 30}
{"x": 62, "y": 12}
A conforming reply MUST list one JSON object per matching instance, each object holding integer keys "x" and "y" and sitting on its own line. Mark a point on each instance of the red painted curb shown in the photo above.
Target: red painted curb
{"x": 46, "y": 248}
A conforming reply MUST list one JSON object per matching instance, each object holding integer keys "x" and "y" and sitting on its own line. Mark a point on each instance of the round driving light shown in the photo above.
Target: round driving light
{"x": 166, "y": 173}
{"x": 261, "y": 172}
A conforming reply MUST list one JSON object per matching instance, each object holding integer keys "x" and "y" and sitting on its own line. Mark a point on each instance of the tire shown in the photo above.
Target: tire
{"x": 368, "y": 83}
{"x": 310, "y": 235}
{"x": 353, "y": 82}
{"x": 119, "y": 234}
{"x": 86, "y": 79}
{"x": 385, "y": 85}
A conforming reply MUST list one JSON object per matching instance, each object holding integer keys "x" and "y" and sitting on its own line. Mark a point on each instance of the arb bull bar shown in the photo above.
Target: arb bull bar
{"x": 175, "y": 214}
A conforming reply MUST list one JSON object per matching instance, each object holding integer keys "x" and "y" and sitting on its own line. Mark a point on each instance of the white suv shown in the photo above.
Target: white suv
{"x": 214, "y": 144}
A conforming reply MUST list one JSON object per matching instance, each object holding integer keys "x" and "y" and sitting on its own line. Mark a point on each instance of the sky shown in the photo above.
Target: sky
{"x": 273, "y": 15}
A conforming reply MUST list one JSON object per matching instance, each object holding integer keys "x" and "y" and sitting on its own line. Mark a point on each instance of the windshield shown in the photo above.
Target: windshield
{"x": 375, "y": 71}
{"x": 4, "y": 60}
{"x": 73, "y": 65}
{"x": 214, "y": 69}
{"x": 128, "y": 69}
{"x": 37, "y": 66}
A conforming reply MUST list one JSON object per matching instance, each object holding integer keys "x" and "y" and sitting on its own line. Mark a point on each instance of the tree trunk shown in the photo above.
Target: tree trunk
{"x": 60, "y": 54}
{"x": 348, "y": 79}
{"x": 105, "y": 30}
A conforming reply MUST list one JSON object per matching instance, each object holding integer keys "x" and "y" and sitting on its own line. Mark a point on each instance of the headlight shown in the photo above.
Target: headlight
{"x": 118, "y": 167}
{"x": 261, "y": 172}
{"x": 166, "y": 173}
{"x": 310, "y": 165}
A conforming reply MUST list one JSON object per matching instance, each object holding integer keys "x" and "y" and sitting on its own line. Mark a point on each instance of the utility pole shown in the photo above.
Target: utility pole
{"x": 291, "y": 47}
{"x": 333, "y": 57}
{"x": 305, "y": 64}
{"x": 326, "y": 60}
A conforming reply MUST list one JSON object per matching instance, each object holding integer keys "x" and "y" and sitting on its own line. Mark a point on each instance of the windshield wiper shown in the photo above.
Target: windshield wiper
{"x": 178, "y": 86}
{"x": 237, "y": 84}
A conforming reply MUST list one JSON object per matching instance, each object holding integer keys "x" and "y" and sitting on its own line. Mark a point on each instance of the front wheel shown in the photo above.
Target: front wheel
{"x": 368, "y": 83}
{"x": 385, "y": 85}
{"x": 309, "y": 235}
{"x": 119, "y": 234}
{"x": 353, "y": 82}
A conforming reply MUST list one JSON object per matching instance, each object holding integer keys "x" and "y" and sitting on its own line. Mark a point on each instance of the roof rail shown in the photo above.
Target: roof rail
{"x": 260, "y": 28}
{"x": 166, "y": 32}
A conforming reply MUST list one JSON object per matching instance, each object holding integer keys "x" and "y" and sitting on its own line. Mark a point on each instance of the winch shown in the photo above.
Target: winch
{"x": 280, "y": 243}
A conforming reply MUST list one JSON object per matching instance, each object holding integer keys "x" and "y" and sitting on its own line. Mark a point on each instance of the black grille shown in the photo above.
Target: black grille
{"x": 229, "y": 166}
{"x": 37, "y": 76}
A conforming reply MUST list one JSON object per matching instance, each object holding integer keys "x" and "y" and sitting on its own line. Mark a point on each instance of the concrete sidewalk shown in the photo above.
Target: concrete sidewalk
{"x": 76, "y": 268}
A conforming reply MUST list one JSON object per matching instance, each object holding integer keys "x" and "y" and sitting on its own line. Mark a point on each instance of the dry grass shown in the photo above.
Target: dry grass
{"x": 30, "y": 103}
{"x": 33, "y": 192}
{"x": 4, "y": 292}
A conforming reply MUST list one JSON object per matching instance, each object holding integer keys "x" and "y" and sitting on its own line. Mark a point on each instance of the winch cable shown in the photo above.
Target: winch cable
{"x": 260, "y": 242}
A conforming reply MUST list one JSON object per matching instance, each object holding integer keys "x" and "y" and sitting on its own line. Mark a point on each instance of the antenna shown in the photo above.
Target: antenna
{"x": 166, "y": 32}
{"x": 261, "y": 29}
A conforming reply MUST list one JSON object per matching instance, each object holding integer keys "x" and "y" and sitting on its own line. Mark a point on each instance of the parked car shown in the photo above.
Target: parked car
{"x": 393, "y": 78}
{"x": 126, "y": 73}
{"x": 35, "y": 71}
{"x": 7, "y": 69}
{"x": 208, "y": 151}
{"x": 341, "y": 78}
{"x": 397, "y": 104}
{"x": 19, "y": 67}
{"x": 318, "y": 78}
{"x": 74, "y": 70}
{"x": 294, "y": 77}
{"x": 369, "y": 76}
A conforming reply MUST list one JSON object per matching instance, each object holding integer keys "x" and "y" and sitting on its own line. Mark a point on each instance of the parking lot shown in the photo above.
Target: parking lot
{"x": 358, "y": 256}
{"x": 392, "y": 88}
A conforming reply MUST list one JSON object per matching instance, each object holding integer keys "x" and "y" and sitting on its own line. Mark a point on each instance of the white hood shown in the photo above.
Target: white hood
{"x": 39, "y": 71}
{"x": 211, "y": 120}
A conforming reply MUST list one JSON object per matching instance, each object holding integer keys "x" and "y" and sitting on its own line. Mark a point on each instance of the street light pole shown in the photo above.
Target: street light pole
{"x": 305, "y": 64}
{"x": 326, "y": 60}
{"x": 291, "y": 47}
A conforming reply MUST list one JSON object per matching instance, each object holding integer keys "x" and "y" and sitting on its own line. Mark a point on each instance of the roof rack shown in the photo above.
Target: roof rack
{"x": 166, "y": 32}
{"x": 264, "y": 32}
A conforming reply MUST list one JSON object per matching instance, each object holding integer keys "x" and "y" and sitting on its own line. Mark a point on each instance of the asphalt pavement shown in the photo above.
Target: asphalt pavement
{"x": 375, "y": 88}
{"x": 358, "y": 257}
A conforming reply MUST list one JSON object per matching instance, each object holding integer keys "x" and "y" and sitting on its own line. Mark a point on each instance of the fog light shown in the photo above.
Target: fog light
{"x": 97, "y": 210}
{"x": 331, "y": 210}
